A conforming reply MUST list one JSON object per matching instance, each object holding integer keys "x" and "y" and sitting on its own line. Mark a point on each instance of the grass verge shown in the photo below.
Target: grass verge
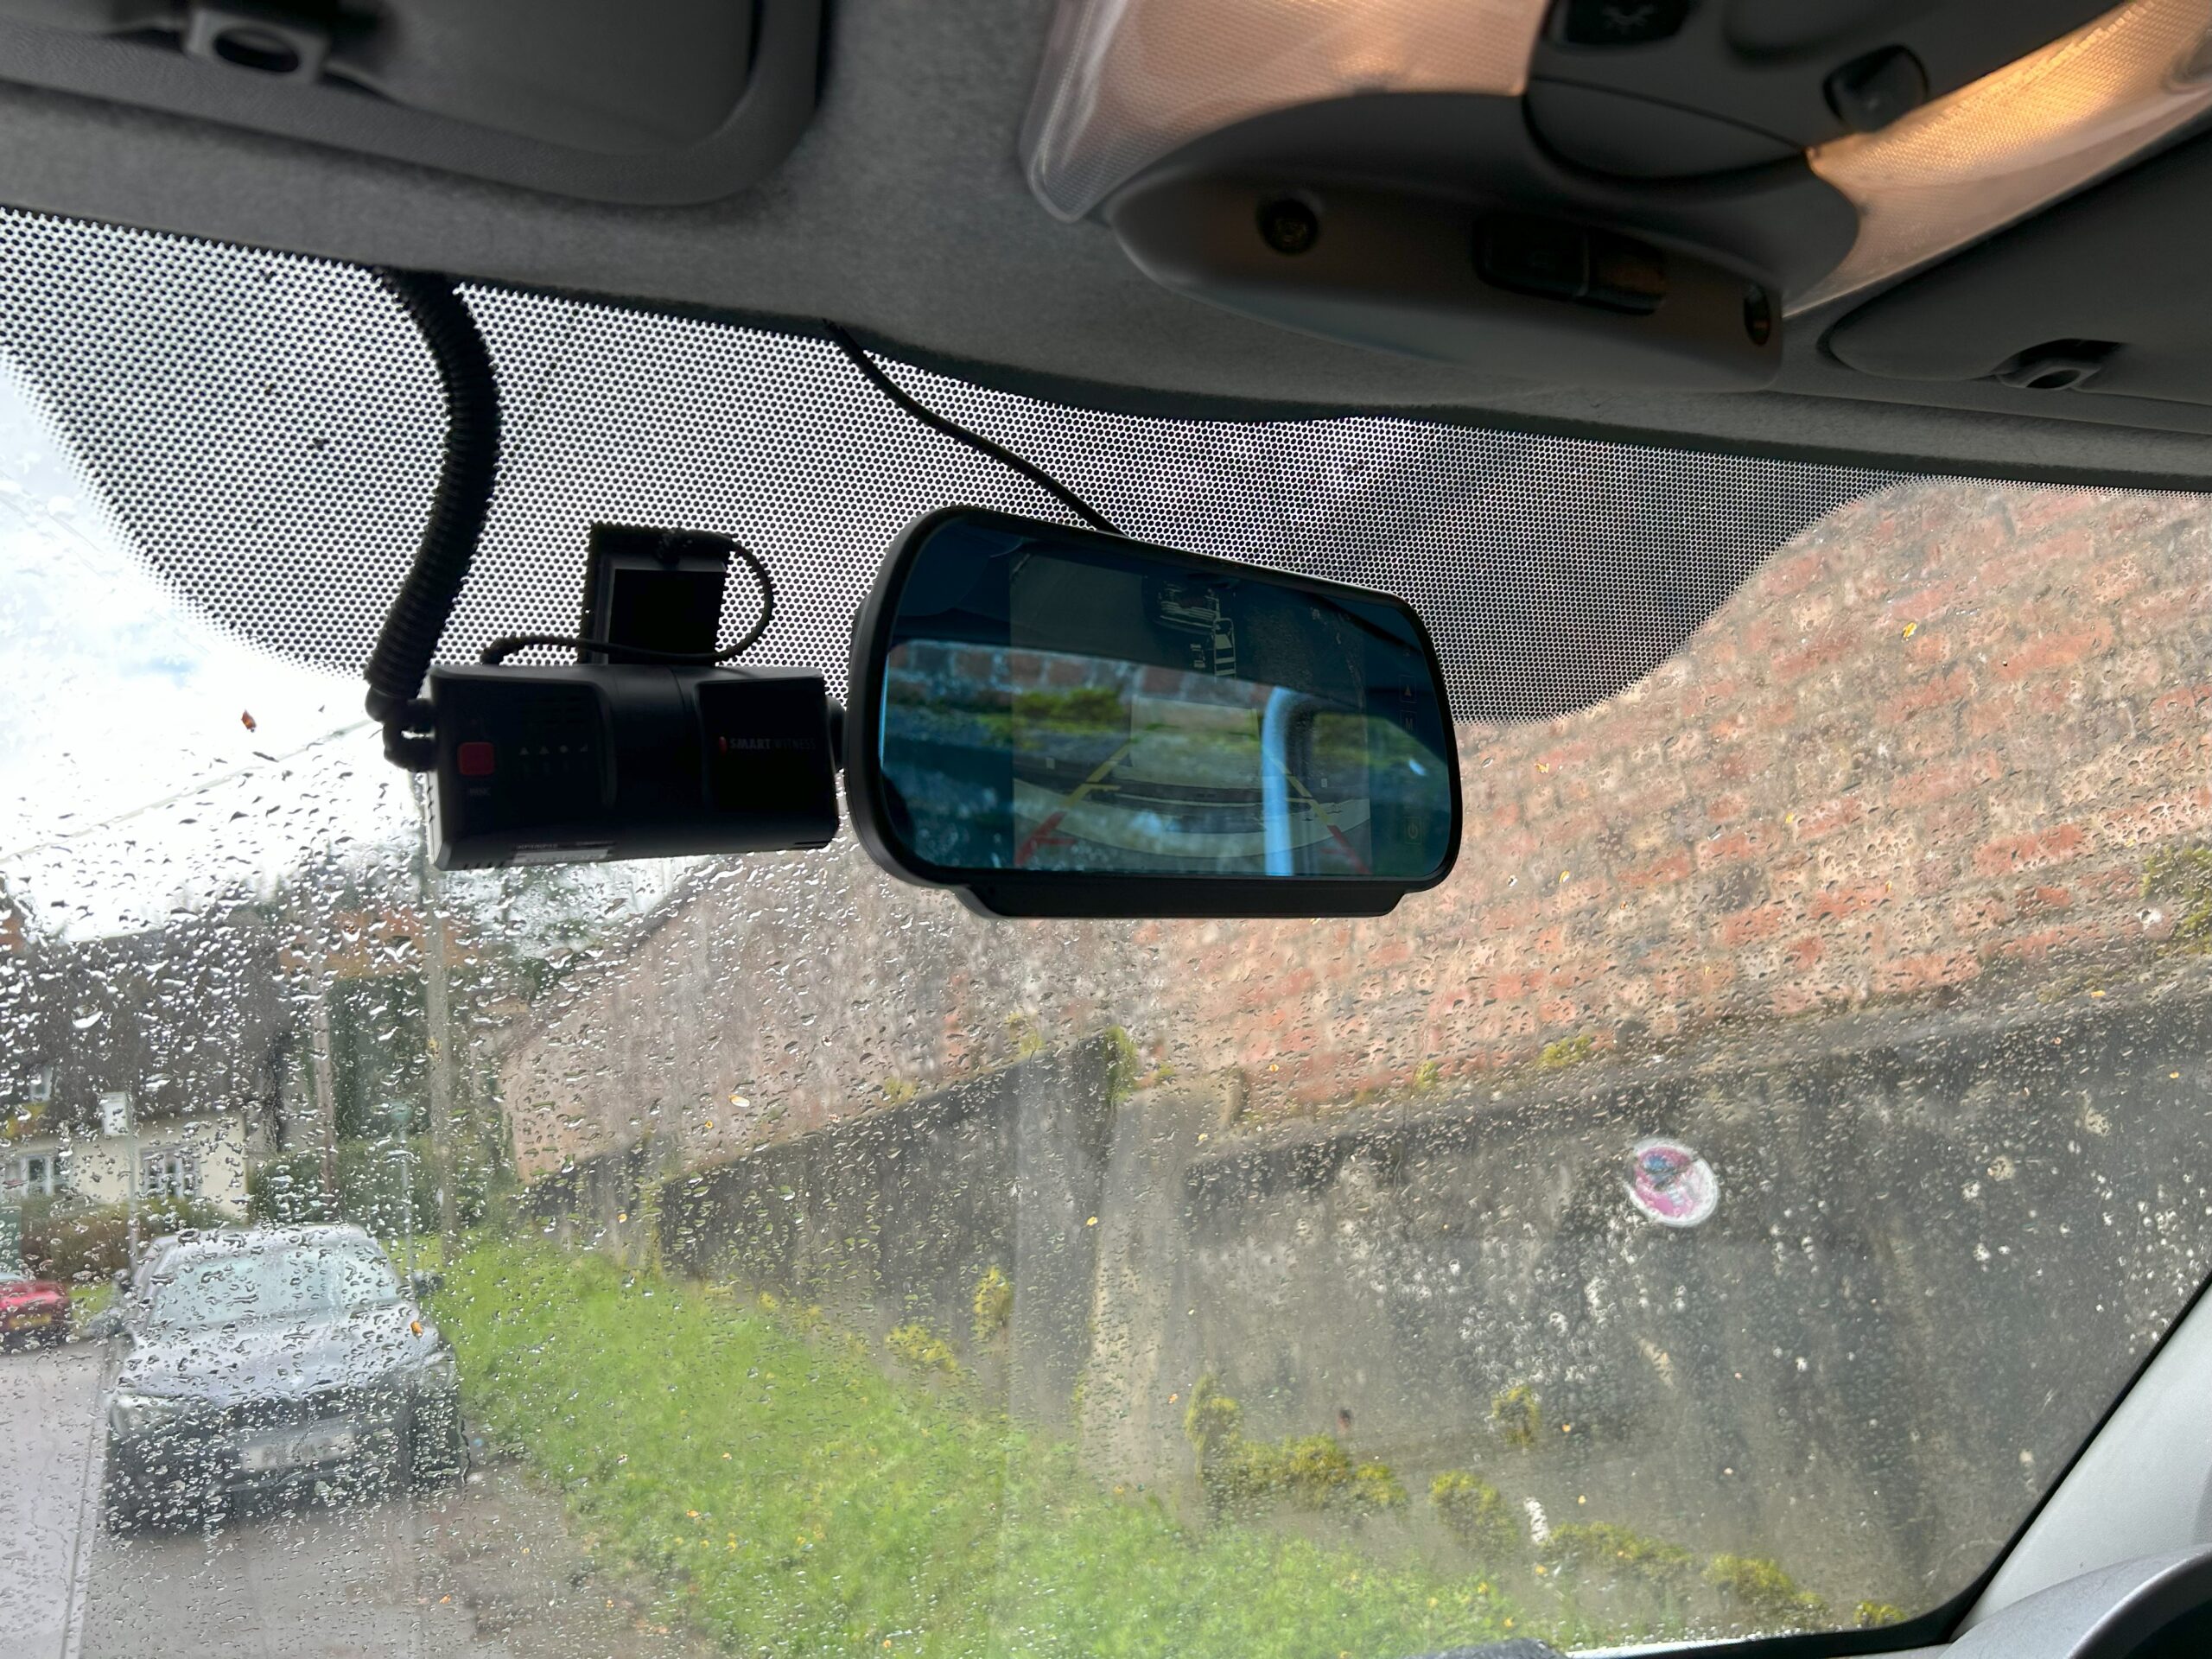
{"x": 792, "y": 1498}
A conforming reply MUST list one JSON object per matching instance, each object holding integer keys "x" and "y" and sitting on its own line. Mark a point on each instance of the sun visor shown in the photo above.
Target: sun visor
{"x": 659, "y": 101}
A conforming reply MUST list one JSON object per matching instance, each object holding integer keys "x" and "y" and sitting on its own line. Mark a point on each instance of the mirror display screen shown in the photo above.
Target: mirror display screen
{"x": 1070, "y": 707}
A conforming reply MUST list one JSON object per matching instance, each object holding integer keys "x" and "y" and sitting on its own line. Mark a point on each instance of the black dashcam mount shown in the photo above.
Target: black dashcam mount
{"x": 648, "y": 745}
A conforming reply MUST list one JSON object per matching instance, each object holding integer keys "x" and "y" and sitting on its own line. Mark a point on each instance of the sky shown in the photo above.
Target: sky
{"x": 130, "y": 780}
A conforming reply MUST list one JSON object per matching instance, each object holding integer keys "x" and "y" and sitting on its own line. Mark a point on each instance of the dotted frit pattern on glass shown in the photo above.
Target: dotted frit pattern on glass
{"x": 264, "y": 430}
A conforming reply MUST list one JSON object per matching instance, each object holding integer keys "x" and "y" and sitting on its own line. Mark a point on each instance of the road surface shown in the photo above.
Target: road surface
{"x": 485, "y": 1572}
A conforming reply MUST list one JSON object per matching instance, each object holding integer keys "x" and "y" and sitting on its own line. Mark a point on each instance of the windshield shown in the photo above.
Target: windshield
{"x": 1723, "y": 1206}
{"x": 316, "y": 1280}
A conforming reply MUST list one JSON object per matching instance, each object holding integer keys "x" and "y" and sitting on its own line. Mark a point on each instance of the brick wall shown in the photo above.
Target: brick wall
{"x": 1925, "y": 751}
{"x": 1929, "y": 751}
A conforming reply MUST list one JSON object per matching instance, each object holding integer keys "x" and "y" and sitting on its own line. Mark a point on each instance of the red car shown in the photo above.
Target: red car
{"x": 33, "y": 1312}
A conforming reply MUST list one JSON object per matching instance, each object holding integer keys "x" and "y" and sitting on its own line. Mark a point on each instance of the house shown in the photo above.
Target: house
{"x": 150, "y": 1064}
{"x": 116, "y": 1158}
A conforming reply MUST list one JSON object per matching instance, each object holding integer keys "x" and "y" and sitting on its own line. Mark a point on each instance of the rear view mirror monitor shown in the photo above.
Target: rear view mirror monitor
{"x": 1057, "y": 723}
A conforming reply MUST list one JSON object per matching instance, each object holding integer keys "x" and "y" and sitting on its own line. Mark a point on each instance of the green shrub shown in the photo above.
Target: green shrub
{"x": 1025, "y": 1034}
{"x": 88, "y": 1244}
{"x": 1122, "y": 1064}
{"x": 994, "y": 1304}
{"x": 1763, "y": 1596}
{"x": 289, "y": 1189}
{"x": 23, "y": 1119}
{"x": 1599, "y": 1547}
{"x": 1248, "y": 1472}
{"x": 1376, "y": 1486}
{"x": 1476, "y": 1515}
{"x": 2182, "y": 878}
{"x": 1315, "y": 1468}
{"x": 1212, "y": 1422}
{"x": 1312, "y": 1471}
{"x": 1566, "y": 1051}
{"x": 1231, "y": 1469}
{"x": 921, "y": 1348}
{"x": 1517, "y": 1415}
{"x": 1871, "y": 1615}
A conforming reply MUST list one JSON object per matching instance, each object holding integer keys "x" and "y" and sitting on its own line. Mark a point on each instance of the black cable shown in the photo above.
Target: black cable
{"x": 499, "y": 650}
{"x": 959, "y": 434}
{"x": 467, "y": 473}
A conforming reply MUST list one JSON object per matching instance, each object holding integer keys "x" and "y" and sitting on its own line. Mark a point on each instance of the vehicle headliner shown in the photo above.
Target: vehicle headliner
{"x": 903, "y": 213}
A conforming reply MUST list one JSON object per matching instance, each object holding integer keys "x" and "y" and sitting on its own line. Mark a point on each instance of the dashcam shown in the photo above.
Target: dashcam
{"x": 647, "y": 747}
{"x": 571, "y": 764}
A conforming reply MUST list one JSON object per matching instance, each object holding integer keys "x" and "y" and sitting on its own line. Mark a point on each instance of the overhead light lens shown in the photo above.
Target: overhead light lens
{"x": 1997, "y": 149}
{"x": 1126, "y": 81}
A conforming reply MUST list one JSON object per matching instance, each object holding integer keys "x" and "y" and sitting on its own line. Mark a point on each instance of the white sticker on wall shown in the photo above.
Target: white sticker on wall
{"x": 1671, "y": 1184}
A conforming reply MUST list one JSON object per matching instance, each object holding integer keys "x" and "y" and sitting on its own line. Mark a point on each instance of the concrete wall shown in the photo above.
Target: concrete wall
{"x": 896, "y": 1217}
{"x": 1935, "y": 1259}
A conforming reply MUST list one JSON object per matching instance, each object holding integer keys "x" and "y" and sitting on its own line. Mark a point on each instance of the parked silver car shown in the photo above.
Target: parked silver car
{"x": 273, "y": 1362}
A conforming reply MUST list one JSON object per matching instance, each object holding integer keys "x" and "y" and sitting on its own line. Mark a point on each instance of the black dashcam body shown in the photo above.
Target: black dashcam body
{"x": 628, "y": 754}
{"x": 571, "y": 764}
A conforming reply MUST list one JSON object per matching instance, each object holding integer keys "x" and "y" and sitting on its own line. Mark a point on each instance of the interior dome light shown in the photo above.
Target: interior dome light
{"x": 1997, "y": 149}
{"x": 1124, "y": 82}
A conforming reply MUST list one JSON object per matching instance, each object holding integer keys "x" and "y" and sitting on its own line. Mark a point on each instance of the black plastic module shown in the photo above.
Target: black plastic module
{"x": 569, "y": 765}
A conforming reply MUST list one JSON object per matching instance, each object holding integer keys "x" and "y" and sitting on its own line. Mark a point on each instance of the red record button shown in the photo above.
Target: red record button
{"x": 474, "y": 760}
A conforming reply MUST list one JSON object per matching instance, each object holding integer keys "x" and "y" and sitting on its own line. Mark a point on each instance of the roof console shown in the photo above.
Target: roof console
{"x": 1573, "y": 191}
